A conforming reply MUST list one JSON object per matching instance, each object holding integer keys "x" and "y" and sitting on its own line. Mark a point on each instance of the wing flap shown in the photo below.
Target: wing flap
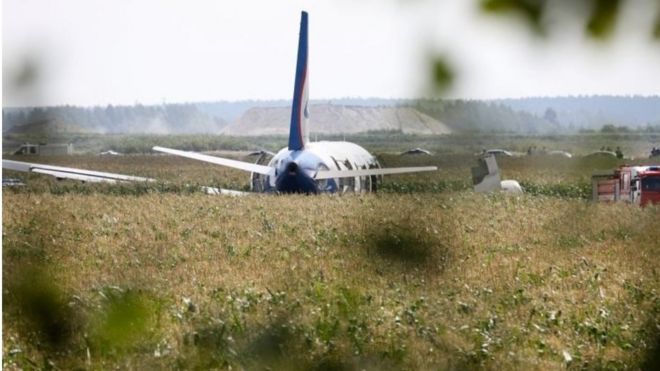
{"x": 240, "y": 165}
{"x": 74, "y": 176}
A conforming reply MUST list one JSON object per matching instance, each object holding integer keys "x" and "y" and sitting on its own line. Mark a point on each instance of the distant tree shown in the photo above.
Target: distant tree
{"x": 550, "y": 115}
{"x": 609, "y": 128}
{"x": 586, "y": 131}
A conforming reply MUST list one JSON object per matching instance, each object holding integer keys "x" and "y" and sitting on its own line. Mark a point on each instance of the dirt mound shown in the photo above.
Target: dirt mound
{"x": 334, "y": 119}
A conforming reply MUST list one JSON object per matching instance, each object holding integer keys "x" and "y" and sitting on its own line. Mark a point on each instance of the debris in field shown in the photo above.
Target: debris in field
{"x": 12, "y": 182}
{"x": 602, "y": 153}
{"x": 416, "y": 151}
{"x": 189, "y": 305}
{"x": 110, "y": 153}
{"x": 560, "y": 153}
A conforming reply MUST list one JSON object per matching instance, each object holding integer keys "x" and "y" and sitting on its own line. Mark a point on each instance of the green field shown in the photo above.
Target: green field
{"x": 423, "y": 275}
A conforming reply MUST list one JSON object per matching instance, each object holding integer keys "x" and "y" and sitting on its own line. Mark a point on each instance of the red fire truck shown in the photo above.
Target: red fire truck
{"x": 635, "y": 184}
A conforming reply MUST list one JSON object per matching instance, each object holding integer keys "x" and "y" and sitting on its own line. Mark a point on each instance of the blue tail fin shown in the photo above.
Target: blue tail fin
{"x": 298, "y": 132}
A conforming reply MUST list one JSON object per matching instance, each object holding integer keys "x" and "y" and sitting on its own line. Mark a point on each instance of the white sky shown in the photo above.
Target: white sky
{"x": 94, "y": 52}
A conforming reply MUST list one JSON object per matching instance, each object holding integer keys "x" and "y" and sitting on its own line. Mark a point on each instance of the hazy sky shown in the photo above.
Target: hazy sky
{"x": 93, "y": 52}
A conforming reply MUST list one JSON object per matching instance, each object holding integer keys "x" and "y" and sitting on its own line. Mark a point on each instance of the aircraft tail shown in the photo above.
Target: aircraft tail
{"x": 486, "y": 178}
{"x": 486, "y": 175}
{"x": 299, "y": 132}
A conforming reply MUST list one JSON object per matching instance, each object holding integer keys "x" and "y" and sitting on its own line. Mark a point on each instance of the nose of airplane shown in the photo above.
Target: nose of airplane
{"x": 294, "y": 180}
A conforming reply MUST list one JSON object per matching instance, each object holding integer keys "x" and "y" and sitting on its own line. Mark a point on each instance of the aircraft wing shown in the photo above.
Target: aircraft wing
{"x": 61, "y": 172}
{"x": 240, "y": 165}
{"x": 328, "y": 174}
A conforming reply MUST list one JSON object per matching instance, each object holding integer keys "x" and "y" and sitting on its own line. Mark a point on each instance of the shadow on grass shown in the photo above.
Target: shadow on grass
{"x": 271, "y": 344}
{"x": 408, "y": 240}
{"x": 278, "y": 344}
{"x": 218, "y": 345}
{"x": 41, "y": 309}
{"x": 652, "y": 356}
{"x": 403, "y": 244}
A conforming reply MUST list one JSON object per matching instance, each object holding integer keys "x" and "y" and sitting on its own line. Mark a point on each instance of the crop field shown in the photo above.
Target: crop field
{"x": 425, "y": 274}
{"x": 632, "y": 144}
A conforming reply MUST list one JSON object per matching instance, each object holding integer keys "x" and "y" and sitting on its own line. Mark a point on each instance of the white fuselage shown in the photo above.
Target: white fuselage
{"x": 325, "y": 156}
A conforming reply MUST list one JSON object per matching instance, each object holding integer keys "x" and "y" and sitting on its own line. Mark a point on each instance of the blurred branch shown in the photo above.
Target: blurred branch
{"x": 600, "y": 21}
{"x": 28, "y": 74}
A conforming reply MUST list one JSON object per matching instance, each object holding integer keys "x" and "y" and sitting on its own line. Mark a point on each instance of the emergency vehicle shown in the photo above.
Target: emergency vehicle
{"x": 635, "y": 184}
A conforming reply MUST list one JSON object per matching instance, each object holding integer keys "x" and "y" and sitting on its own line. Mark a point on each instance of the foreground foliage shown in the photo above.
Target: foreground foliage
{"x": 432, "y": 281}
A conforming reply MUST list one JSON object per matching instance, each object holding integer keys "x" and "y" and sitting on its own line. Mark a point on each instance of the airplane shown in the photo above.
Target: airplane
{"x": 301, "y": 167}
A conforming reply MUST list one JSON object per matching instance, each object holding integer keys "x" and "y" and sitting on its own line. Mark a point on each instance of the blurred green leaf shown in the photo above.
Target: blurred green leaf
{"x": 603, "y": 18}
{"x": 442, "y": 73}
{"x": 125, "y": 319}
{"x": 531, "y": 10}
{"x": 599, "y": 24}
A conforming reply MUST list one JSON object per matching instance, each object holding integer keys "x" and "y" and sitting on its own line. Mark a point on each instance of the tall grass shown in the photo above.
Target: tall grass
{"x": 423, "y": 281}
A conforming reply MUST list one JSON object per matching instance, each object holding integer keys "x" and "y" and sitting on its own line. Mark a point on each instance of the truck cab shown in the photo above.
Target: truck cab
{"x": 648, "y": 186}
